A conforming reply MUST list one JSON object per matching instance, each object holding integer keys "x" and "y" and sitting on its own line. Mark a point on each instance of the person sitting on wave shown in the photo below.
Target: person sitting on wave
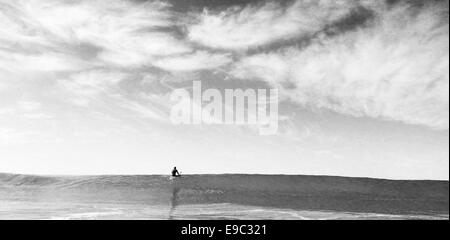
{"x": 175, "y": 172}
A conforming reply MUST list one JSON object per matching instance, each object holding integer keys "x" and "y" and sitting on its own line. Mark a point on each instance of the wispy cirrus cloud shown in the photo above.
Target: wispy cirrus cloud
{"x": 100, "y": 90}
{"x": 395, "y": 68}
{"x": 82, "y": 50}
{"x": 241, "y": 28}
{"x": 199, "y": 60}
{"x": 118, "y": 32}
{"x": 89, "y": 47}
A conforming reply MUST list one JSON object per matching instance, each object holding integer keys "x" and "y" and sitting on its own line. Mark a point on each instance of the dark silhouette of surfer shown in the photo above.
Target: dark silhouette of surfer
{"x": 175, "y": 172}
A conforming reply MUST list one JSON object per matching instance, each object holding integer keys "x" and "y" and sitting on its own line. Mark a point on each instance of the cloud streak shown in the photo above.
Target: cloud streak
{"x": 241, "y": 28}
{"x": 395, "y": 68}
{"x": 123, "y": 32}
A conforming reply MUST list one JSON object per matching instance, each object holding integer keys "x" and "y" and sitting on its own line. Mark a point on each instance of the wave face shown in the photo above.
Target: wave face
{"x": 264, "y": 196}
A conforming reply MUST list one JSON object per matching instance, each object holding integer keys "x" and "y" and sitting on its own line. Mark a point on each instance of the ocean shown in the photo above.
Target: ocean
{"x": 229, "y": 196}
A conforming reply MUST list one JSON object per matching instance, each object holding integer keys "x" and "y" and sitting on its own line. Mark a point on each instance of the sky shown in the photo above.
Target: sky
{"x": 363, "y": 86}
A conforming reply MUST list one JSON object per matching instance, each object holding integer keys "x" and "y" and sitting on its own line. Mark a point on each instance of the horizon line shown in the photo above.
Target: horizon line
{"x": 221, "y": 174}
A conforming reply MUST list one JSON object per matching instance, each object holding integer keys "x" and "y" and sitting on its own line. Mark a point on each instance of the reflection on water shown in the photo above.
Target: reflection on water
{"x": 173, "y": 201}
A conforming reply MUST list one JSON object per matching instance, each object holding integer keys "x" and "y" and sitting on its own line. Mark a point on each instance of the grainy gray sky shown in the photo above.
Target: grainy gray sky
{"x": 84, "y": 86}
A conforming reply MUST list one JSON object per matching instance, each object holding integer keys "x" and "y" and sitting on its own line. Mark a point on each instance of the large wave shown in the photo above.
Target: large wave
{"x": 324, "y": 193}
